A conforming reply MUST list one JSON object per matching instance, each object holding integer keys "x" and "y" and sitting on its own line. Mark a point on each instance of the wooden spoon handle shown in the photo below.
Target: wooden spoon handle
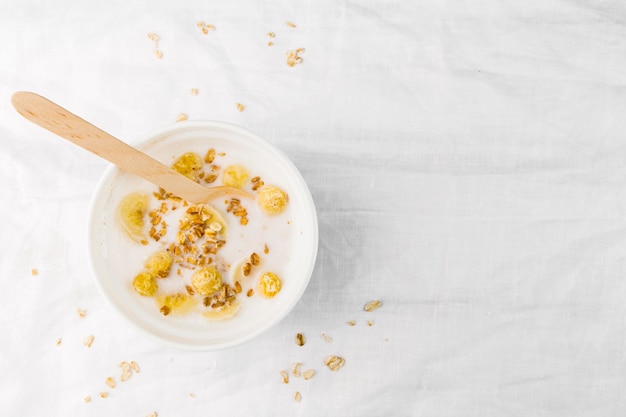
{"x": 67, "y": 125}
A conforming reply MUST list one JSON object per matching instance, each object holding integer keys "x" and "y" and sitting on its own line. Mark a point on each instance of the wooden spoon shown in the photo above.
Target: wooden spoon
{"x": 56, "y": 119}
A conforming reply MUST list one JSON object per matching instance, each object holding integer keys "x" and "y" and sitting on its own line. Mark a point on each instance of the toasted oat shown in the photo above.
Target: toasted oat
{"x": 127, "y": 369}
{"x": 81, "y": 313}
{"x": 235, "y": 207}
{"x": 271, "y": 34}
{"x": 104, "y": 394}
{"x": 250, "y": 292}
{"x": 300, "y": 339}
{"x": 326, "y": 338}
{"x": 257, "y": 183}
{"x": 182, "y": 117}
{"x": 291, "y": 25}
{"x": 293, "y": 57}
{"x": 297, "y": 396}
{"x": 88, "y": 399}
{"x": 88, "y": 341}
{"x": 205, "y": 28}
{"x": 110, "y": 382}
{"x": 246, "y": 268}
{"x": 308, "y": 374}
{"x": 240, "y": 107}
{"x": 266, "y": 249}
{"x": 270, "y": 43}
{"x": 194, "y": 91}
{"x": 58, "y": 342}
{"x": 210, "y": 156}
{"x": 125, "y": 366}
{"x": 372, "y": 305}
{"x": 34, "y": 272}
{"x": 155, "y": 41}
{"x": 334, "y": 363}
{"x": 351, "y": 322}
{"x": 285, "y": 377}
{"x": 370, "y": 323}
{"x": 295, "y": 371}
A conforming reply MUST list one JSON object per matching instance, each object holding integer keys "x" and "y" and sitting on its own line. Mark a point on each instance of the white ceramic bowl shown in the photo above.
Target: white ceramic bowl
{"x": 115, "y": 259}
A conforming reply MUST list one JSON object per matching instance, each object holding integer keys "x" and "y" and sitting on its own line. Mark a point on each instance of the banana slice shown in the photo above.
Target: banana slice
{"x": 189, "y": 164}
{"x": 177, "y": 304}
{"x": 131, "y": 212}
{"x": 222, "y": 313}
{"x": 236, "y": 271}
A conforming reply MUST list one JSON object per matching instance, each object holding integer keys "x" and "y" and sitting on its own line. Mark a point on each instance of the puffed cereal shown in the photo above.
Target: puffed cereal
{"x": 269, "y": 284}
{"x": 145, "y": 284}
{"x": 159, "y": 263}
{"x": 206, "y": 281}
{"x": 272, "y": 200}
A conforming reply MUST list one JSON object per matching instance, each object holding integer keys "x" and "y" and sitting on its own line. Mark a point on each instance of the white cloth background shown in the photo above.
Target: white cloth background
{"x": 467, "y": 161}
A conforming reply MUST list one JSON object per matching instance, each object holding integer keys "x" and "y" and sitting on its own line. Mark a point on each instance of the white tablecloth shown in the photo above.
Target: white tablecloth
{"x": 467, "y": 161}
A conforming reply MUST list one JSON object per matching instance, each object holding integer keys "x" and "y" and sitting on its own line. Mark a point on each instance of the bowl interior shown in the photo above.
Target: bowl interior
{"x": 292, "y": 238}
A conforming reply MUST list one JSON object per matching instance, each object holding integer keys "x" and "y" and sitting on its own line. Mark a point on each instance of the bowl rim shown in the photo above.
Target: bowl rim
{"x": 146, "y": 139}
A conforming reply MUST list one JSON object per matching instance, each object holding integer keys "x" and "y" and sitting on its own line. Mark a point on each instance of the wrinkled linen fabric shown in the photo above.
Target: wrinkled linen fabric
{"x": 467, "y": 163}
